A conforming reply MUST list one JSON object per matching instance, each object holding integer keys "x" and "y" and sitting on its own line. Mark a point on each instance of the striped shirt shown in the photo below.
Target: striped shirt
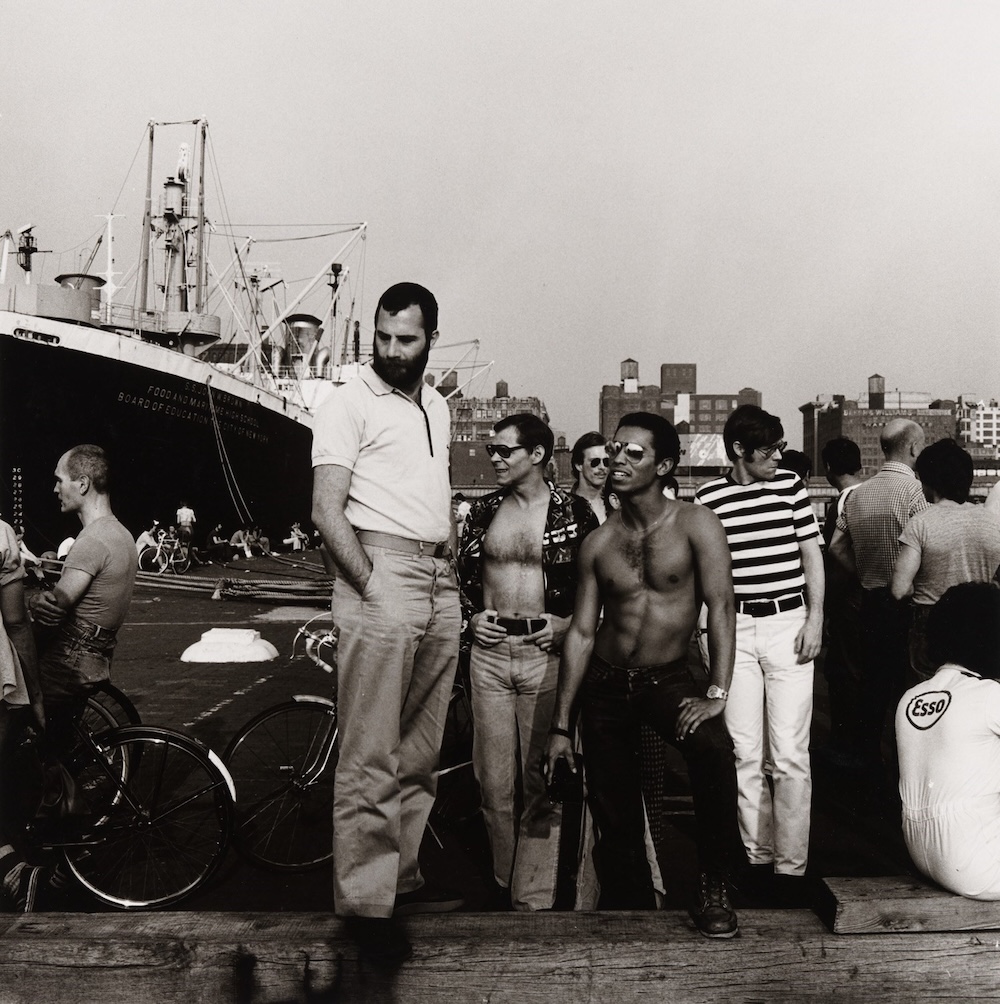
{"x": 874, "y": 516}
{"x": 765, "y": 523}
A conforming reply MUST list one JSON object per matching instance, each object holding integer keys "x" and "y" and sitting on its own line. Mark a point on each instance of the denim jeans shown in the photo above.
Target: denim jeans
{"x": 396, "y": 662}
{"x": 75, "y": 656}
{"x": 513, "y": 697}
{"x": 615, "y": 701}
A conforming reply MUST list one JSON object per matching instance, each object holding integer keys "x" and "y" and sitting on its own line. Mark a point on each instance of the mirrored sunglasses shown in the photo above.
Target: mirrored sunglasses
{"x": 633, "y": 451}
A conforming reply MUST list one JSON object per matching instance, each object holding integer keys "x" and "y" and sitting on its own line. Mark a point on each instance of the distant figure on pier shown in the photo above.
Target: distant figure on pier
{"x": 382, "y": 502}
{"x": 240, "y": 543}
{"x": 948, "y": 737}
{"x": 950, "y": 542}
{"x": 217, "y": 546}
{"x": 297, "y": 539}
{"x": 590, "y": 471}
{"x": 647, "y": 567}
{"x": 147, "y": 538}
{"x": 517, "y": 563}
{"x": 185, "y": 522}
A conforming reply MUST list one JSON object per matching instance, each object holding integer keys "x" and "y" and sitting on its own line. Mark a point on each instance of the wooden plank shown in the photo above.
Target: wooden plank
{"x": 498, "y": 958}
{"x": 873, "y": 905}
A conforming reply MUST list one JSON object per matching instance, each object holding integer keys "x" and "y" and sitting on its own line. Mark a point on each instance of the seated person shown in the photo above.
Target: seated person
{"x": 240, "y": 543}
{"x": 147, "y": 538}
{"x": 297, "y": 539}
{"x": 948, "y": 735}
{"x": 216, "y": 546}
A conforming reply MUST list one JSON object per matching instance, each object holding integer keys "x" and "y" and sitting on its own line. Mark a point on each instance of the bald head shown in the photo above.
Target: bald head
{"x": 902, "y": 441}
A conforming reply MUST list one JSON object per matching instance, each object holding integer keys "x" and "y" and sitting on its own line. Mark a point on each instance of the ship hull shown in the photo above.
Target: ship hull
{"x": 176, "y": 430}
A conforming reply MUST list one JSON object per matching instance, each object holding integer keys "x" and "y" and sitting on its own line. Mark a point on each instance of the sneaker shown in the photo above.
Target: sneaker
{"x": 424, "y": 900}
{"x": 715, "y": 917}
{"x": 381, "y": 941}
{"x": 20, "y": 886}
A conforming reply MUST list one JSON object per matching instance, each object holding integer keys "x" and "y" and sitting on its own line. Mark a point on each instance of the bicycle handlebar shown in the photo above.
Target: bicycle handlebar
{"x": 314, "y": 643}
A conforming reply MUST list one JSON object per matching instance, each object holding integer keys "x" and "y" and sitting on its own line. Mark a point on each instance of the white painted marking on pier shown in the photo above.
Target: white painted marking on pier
{"x": 242, "y": 692}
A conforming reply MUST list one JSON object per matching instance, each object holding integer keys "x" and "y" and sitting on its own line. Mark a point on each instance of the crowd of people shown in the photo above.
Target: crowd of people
{"x": 578, "y": 611}
{"x": 597, "y": 622}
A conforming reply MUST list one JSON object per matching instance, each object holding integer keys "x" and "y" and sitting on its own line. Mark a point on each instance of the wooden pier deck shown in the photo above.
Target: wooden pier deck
{"x": 584, "y": 958}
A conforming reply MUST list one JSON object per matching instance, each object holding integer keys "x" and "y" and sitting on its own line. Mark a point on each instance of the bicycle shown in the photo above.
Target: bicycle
{"x": 283, "y": 762}
{"x": 147, "y": 816}
{"x": 169, "y": 553}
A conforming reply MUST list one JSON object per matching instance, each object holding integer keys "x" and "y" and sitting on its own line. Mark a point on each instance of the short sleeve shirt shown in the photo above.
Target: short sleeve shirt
{"x": 105, "y": 550}
{"x": 396, "y": 451}
{"x": 957, "y": 543}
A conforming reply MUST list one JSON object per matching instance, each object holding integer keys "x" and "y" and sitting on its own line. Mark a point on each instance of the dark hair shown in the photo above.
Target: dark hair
{"x": 408, "y": 294}
{"x": 947, "y": 468}
{"x": 752, "y": 427}
{"x": 90, "y": 461}
{"x": 841, "y": 456}
{"x": 531, "y": 432}
{"x": 580, "y": 447}
{"x": 796, "y": 461}
{"x": 964, "y": 627}
{"x": 666, "y": 442}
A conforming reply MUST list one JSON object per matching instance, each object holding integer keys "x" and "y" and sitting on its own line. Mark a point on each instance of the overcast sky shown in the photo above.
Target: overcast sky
{"x": 791, "y": 194}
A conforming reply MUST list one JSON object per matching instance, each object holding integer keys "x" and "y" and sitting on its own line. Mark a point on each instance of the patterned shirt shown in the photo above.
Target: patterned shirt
{"x": 568, "y": 521}
{"x": 874, "y": 516}
{"x": 765, "y": 523}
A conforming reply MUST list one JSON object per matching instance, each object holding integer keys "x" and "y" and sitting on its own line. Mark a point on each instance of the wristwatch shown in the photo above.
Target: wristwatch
{"x": 715, "y": 693}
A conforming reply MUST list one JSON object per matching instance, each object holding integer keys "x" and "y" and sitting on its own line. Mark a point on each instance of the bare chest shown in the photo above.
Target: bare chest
{"x": 515, "y": 535}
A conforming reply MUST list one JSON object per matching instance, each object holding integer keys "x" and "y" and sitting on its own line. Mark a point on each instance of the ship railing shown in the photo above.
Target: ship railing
{"x": 122, "y": 315}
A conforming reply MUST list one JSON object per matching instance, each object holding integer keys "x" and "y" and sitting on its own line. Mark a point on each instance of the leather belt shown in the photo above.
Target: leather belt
{"x": 423, "y": 548}
{"x": 520, "y": 625}
{"x": 765, "y": 608}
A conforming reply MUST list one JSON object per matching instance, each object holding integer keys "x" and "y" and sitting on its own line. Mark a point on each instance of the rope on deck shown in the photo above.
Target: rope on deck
{"x": 315, "y": 592}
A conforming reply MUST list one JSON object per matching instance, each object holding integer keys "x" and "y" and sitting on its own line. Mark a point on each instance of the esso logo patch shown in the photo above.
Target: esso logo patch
{"x": 926, "y": 710}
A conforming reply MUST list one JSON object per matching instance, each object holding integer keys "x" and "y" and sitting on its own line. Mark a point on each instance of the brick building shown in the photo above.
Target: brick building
{"x": 863, "y": 420}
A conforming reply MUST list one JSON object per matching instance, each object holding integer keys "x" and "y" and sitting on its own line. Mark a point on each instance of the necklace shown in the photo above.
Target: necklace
{"x": 644, "y": 529}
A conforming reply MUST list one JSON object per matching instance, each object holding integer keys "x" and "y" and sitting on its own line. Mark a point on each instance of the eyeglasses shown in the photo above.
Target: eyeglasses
{"x": 596, "y": 462}
{"x": 633, "y": 451}
{"x": 499, "y": 450}
{"x": 769, "y": 451}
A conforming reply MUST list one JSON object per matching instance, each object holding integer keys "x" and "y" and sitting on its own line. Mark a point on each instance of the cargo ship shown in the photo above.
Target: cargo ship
{"x": 186, "y": 413}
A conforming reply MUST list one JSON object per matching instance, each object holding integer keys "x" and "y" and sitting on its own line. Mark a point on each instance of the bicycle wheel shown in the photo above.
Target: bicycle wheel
{"x": 161, "y": 833}
{"x": 282, "y": 762}
{"x": 108, "y": 707}
{"x": 180, "y": 560}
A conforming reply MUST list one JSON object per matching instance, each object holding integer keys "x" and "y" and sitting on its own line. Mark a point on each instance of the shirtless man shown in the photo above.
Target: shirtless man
{"x": 650, "y": 566}
{"x": 518, "y": 570}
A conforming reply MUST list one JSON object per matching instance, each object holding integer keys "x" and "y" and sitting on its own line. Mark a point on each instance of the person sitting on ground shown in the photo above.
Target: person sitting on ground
{"x": 217, "y": 546}
{"x": 298, "y": 539}
{"x": 951, "y": 542}
{"x": 147, "y": 538}
{"x": 240, "y": 542}
{"x": 19, "y": 687}
{"x": 948, "y": 738}
{"x": 258, "y": 543}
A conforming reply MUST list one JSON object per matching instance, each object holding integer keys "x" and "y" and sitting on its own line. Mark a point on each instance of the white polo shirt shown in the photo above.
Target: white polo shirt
{"x": 396, "y": 451}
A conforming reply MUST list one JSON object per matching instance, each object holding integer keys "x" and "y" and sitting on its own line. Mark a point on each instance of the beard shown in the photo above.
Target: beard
{"x": 399, "y": 373}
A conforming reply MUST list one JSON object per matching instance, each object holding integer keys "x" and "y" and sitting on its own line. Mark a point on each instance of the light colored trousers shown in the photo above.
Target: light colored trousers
{"x": 397, "y": 656}
{"x": 769, "y": 716}
{"x": 513, "y": 696}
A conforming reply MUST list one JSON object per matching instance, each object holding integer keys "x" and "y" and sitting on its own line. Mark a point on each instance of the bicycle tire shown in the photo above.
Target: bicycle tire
{"x": 282, "y": 762}
{"x": 180, "y": 560}
{"x": 152, "y": 560}
{"x": 162, "y": 833}
{"x": 113, "y": 704}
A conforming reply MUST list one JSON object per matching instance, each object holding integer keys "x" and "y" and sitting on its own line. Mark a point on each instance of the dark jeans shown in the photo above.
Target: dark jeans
{"x": 615, "y": 702}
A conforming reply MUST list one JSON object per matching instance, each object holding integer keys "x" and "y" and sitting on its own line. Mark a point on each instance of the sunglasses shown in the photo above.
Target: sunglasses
{"x": 633, "y": 451}
{"x": 769, "y": 451}
{"x": 596, "y": 462}
{"x": 504, "y": 452}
